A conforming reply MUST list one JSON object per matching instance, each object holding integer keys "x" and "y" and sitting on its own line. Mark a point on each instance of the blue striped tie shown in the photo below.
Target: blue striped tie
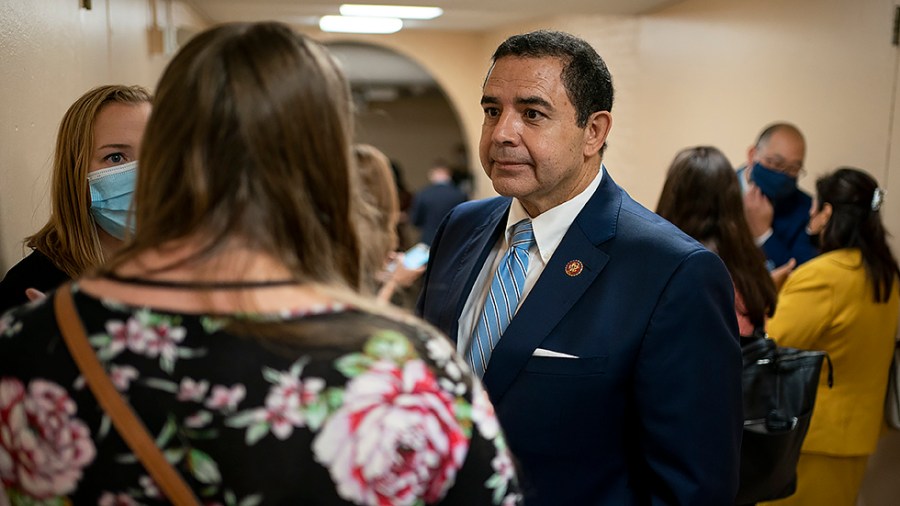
{"x": 501, "y": 303}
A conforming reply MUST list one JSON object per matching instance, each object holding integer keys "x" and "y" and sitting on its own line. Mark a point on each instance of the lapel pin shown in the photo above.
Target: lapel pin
{"x": 574, "y": 267}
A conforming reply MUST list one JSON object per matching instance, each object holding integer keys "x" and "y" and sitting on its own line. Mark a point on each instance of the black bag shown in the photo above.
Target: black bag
{"x": 779, "y": 393}
{"x": 892, "y": 399}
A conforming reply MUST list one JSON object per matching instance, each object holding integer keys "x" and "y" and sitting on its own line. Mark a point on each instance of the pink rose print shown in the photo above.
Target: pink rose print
{"x": 43, "y": 447}
{"x": 190, "y": 390}
{"x": 512, "y": 500}
{"x": 503, "y": 466}
{"x": 110, "y": 499}
{"x": 483, "y": 412}
{"x": 198, "y": 419}
{"x": 6, "y": 323}
{"x": 122, "y": 376}
{"x": 224, "y": 398}
{"x": 129, "y": 334}
{"x": 149, "y": 486}
{"x": 285, "y": 401}
{"x": 395, "y": 439}
{"x": 162, "y": 340}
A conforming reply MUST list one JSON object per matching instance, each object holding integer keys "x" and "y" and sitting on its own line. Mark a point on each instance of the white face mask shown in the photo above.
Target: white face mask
{"x": 111, "y": 191}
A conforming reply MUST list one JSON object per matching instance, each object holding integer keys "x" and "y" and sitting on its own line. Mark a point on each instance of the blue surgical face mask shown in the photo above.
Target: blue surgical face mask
{"x": 111, "y": 191}
{"x": 774, "y": 185}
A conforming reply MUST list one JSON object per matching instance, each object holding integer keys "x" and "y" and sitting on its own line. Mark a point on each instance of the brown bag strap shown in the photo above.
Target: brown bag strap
{"x": 128, "y": 425}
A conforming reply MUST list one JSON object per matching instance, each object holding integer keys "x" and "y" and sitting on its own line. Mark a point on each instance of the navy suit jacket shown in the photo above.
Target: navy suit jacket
{"x": 650, "y": 411}
{"x": 430, "y": 205}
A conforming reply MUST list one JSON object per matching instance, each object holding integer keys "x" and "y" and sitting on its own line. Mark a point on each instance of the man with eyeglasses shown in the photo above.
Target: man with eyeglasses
{"x": 776, "y": 209}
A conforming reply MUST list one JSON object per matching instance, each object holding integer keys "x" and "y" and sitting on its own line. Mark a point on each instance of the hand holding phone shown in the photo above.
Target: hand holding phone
{"x": 416, "y": 257}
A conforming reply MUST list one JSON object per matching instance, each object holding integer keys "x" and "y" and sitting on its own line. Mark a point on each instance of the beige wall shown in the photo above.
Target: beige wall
{"x": 415, "y": 132}
{"x": 456, "y": 60}
{"x": 699, "y": 72}
{"x": 52, "y": 51}
{"x": 716, "y": 71}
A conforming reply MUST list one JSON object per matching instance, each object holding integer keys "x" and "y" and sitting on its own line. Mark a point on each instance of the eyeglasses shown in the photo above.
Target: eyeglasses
{"x": 778, "y": 164}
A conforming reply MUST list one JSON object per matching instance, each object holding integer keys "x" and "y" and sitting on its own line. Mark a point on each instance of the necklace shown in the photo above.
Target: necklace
{"x": 200, "y": 285}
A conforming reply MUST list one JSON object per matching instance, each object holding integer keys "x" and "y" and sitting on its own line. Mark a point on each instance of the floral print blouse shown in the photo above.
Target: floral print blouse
{"x": 331, "y": 406}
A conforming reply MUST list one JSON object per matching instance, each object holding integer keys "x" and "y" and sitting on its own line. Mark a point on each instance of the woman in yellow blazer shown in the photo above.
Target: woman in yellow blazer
{"x": 845, "y": 302}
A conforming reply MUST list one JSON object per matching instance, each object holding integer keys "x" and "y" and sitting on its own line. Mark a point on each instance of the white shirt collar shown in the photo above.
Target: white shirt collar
{"x": 552, "y": 225}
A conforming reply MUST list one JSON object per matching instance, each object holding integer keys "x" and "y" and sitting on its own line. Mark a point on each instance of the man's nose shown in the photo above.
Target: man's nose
{"x": 506, "y": 130}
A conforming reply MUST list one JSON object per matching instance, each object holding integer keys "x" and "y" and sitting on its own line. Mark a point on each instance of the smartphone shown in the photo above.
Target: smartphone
{"x": 416, "y": 257}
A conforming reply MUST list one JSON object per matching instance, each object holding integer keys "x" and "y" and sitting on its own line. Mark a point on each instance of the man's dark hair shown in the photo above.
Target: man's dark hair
{"x": 585, "y": 76}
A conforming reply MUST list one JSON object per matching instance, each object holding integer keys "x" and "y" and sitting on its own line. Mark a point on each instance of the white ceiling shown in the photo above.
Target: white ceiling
{"x": 475, "y": 15}
{"x": 377, "y": 73}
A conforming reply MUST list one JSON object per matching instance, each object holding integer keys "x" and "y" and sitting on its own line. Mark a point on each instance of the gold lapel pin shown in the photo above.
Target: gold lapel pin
{"x": 574, "y": 267}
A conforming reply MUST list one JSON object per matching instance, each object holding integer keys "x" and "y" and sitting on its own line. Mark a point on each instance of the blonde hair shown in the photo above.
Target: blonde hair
{"x": 69, "y": 238}
{"x": 249, "y": 140}
{"x": 382, "y": 206}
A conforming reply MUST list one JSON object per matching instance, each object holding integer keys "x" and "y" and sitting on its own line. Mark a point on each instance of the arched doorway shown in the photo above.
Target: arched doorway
{"x": 403, "y": 111}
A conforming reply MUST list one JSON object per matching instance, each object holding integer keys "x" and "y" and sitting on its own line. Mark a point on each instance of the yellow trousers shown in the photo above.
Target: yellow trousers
{"x": 825, "y": 480}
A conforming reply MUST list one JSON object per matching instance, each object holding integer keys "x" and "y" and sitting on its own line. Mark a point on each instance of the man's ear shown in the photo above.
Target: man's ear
{"x": 596, "y": 131}
{"x": 751, "y": 155}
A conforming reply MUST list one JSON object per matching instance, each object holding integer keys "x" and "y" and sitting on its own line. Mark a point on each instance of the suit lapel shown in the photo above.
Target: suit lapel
{"x": 474, "y": 253}
{"x": 556, "y": 292}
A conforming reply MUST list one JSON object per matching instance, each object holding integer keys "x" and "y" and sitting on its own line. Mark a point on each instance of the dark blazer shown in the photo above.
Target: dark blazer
{"x": 430, "y": 205}
{"x": 650, "y": 411}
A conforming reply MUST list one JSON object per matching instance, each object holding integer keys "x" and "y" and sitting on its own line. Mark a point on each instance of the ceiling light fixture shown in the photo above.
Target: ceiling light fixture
{"x": 391, "y": 11}
{"x": 359, "y": 24}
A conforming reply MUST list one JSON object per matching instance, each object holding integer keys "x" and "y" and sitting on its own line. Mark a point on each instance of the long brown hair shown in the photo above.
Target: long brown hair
{"x": 856, "y": 223}
{"x": 249, "y": 141}
{"x": 702, "y": 197}
{"x": 382, "y": 207}
{"x": 69, "y": 238}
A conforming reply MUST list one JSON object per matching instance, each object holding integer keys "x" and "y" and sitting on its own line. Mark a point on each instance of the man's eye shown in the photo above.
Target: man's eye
{"x": 493, "y": 112}
{"x": 532, "y": 114}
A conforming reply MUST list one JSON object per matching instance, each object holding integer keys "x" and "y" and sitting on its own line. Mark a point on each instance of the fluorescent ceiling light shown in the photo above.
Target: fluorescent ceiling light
{"x": 391, "y": 11}
{"x": 358, "y": 24}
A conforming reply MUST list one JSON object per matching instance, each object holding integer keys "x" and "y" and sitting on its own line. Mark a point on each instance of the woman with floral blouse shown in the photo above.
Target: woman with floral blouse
{"x": 229, "y": 321}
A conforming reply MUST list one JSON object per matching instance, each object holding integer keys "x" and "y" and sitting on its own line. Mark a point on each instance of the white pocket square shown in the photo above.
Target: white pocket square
{"x": 540, "y": 352}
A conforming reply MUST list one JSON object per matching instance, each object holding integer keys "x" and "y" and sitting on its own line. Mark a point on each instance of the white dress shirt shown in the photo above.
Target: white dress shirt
{"x": 549, "y": 229}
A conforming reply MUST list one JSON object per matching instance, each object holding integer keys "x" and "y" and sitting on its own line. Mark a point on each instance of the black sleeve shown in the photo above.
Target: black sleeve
{"x": 34, "y": 271}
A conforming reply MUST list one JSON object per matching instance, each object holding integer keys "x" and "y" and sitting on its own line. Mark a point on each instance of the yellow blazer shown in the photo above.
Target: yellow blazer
{"x": 828, "y": 304}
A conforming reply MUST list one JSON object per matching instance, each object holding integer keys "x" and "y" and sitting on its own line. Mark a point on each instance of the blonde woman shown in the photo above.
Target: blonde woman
{"x": 94, "y": 165}
{"x": 386, "y": 271}
{"x": 230, "y": 320}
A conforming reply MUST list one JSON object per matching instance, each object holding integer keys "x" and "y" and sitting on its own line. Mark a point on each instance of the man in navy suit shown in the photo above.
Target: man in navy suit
{"x": 777, "y": 210}
{"x": 432, "y": 203}
{"x": 618, "y": 380}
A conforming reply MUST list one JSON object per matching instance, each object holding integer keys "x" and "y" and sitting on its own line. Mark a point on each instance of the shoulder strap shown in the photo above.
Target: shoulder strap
{"x": 128, "y": 425}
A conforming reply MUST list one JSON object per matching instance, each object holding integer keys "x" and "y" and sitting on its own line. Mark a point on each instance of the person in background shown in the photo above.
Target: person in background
{"x": 845, "y": 302}
{"x": 379, "y": 194}
{"x": 406, "y": 234}
{"x": 432, "y": 203}
{"x": 717, "y": 220}
{"x": 94, "y": 169}
{"x": 605, "y": 336}
{"x": 231, "y": 322}
{"x": 777, "y": 210}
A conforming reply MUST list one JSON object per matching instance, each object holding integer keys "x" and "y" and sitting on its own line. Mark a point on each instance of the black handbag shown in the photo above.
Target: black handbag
{"x": 892, "y": 398}
{"x": 779, "y": 394}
